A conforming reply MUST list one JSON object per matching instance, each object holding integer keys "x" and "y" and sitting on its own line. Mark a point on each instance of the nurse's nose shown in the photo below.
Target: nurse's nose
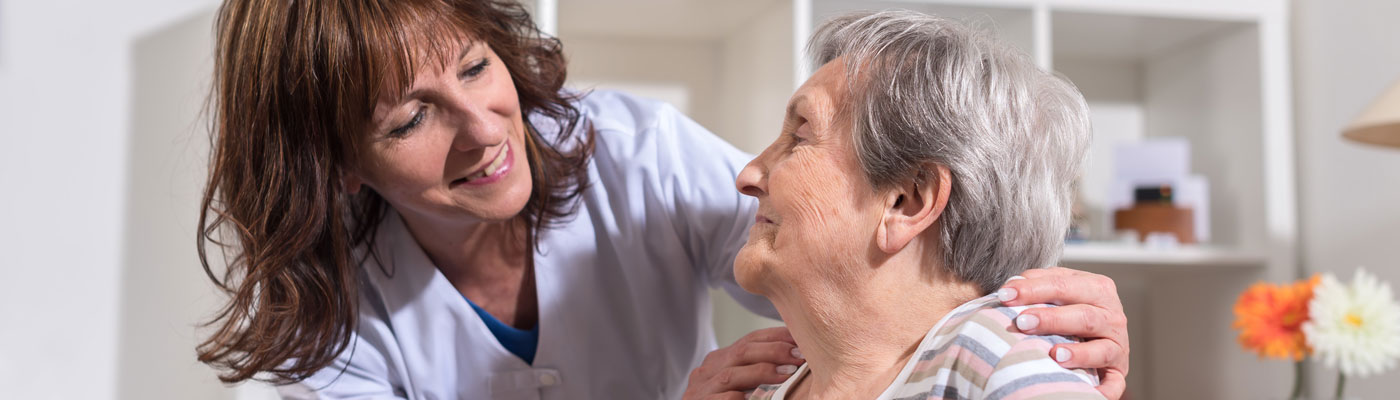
{"x": 477, "y": 125}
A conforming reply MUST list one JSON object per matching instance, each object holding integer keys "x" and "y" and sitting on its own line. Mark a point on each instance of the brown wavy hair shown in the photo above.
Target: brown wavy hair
{"x": 294, "y": 87}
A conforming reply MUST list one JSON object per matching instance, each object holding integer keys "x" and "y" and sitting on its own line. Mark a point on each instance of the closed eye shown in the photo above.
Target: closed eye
{"x": 409, "y": 126}
{"x": 797, "y": 125}
{"x": 476, "y": 69}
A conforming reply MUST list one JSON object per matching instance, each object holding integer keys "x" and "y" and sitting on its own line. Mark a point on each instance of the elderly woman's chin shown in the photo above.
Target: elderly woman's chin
{"x": 750, "y": 270}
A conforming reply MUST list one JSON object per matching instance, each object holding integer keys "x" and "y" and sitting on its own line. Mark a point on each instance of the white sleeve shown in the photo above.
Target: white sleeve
{"x": 711, "y": 214}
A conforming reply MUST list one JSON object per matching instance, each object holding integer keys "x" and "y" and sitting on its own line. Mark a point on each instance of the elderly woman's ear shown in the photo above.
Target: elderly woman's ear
{"x": 911, "y": 208}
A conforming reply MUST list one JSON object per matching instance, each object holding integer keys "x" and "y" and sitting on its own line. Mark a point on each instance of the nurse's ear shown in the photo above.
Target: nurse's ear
{"x": 912, "y": 207}
{"x": 351, "y": 182}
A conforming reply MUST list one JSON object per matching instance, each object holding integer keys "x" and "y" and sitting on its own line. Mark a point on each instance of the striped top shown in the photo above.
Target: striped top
{"x": 975, "y": 352}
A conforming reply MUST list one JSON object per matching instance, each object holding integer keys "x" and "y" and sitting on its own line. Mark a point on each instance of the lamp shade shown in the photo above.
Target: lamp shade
{"x": 1380, "y": 123}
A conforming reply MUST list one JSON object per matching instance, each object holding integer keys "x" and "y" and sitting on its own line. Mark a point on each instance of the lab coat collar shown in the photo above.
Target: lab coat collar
{"x": 413, "y": 291}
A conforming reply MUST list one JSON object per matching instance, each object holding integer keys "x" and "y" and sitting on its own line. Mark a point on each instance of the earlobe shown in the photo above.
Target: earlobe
{"x": 351, "y": 183}
{"x": 894, "y": 231}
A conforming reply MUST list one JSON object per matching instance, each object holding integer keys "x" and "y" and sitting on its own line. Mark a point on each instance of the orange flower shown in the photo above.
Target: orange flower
{"x": 1270, "y": 318}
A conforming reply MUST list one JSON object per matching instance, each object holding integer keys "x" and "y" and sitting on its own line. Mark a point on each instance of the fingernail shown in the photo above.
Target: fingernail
{"x": 1006, "y": 294}
{"x": 796, "y": 352}
{"x": 1061, "y": 354}
{"x": 1026, "y": 322}
{"x": 787, "y": 369}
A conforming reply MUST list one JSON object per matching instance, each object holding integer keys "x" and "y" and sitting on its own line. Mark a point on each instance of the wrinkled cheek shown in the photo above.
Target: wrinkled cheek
{"x": 825, "y": 225}
{"x": 814, "y": 211}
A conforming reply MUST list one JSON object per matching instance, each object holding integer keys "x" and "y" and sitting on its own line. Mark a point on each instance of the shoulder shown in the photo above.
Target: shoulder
{"x": 626, "y": 124}
{"x": 614, "y": 112}
{"x": 643, "y": 140}
{"x": 981, "y": 351}
{"x": 974, "y": 337}
{"x": 987, "y": 323}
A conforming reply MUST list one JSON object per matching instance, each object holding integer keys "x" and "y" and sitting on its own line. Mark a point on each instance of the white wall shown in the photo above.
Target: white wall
{"x": 1345, "y": 54}
{"x": 668, "y": 70}
{"x": 164, "y": 293}
{"x": 71, "y": 228}
{"x": 737, "y": 85}
{"x": 757, "y": 76}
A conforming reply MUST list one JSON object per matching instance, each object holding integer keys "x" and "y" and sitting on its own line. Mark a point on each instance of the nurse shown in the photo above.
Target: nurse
{"x": 406, "y": 205}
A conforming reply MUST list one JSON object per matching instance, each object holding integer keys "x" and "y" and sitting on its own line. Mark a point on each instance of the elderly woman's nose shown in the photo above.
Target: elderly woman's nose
{"x": 751, "y": 179}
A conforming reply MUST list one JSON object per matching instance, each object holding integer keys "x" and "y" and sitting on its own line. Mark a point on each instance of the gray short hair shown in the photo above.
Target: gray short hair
{"x": 926, "y": 89}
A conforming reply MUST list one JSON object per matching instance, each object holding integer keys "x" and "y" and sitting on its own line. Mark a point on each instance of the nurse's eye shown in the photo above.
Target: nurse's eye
{"x": 409, "y": 126}
{"x": 475, "y": 69}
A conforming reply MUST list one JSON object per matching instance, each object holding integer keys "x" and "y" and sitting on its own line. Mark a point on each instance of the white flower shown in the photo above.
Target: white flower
{"x": 1354, "y": 328}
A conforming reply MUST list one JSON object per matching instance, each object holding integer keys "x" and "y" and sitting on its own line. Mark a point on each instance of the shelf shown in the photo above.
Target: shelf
{"x": 1129, "y": 37}
{"x": 655, "y": 20}
{"x": 1110, "y": 254}
{"x": 1005, "y": 20}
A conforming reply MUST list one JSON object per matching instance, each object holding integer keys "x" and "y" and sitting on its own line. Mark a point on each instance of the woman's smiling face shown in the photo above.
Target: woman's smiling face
{"x": 453, "y": 147}
{"x": 817, "y": 213}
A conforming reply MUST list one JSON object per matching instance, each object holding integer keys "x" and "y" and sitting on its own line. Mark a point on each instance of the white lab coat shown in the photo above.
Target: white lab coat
{"x": 624, "y": 308}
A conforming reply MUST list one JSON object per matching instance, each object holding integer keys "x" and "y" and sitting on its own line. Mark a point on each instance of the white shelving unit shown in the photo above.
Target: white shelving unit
{"x": 1215, "y": 72}
{"x": 1108, "y": 255}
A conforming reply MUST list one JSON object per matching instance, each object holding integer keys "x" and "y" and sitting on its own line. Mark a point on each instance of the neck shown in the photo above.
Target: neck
{"x": 858, "y": 334}
{"x": 476, "y": 249}
{"x": 487, "y": 262}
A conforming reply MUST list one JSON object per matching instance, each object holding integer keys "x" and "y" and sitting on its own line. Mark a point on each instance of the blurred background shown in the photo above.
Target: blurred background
{"x": 1239, "y": 105}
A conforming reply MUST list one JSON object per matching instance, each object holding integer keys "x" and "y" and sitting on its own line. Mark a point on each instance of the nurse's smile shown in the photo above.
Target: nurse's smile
{"x": 493, "y": 172}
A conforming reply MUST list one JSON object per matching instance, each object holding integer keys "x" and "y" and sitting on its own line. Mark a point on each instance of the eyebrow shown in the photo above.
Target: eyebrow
{"x": 467, "y": 47}
{"x": 792, "y": 107}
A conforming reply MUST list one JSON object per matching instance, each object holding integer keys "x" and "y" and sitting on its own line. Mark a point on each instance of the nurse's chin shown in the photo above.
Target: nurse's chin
{"x": 504, "y": 203}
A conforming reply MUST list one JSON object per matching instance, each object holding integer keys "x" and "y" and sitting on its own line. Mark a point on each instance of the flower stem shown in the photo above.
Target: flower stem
{"x": 1341, "y": 384}
{"x": 1297, "y": 381}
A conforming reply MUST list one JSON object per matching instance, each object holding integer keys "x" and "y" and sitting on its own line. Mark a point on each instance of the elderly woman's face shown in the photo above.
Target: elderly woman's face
{"x": 817, "y": 214}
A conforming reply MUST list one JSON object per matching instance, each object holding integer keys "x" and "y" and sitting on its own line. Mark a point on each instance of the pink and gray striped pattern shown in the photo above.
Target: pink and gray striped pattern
{"x": 975, "y": 352}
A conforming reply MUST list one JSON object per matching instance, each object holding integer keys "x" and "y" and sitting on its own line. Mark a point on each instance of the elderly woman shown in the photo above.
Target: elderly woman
{"x": 919, "y": 169}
